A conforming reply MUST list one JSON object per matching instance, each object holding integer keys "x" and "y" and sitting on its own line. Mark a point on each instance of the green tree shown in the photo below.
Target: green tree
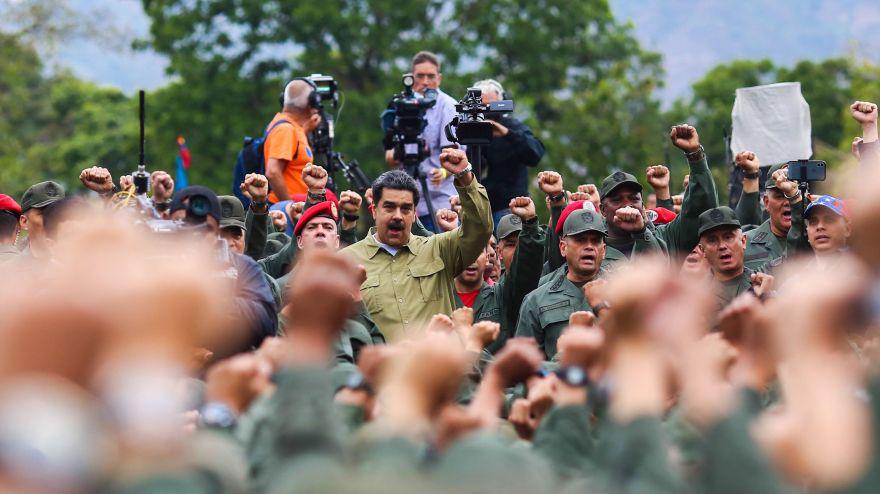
{"x": 571, "y": 66}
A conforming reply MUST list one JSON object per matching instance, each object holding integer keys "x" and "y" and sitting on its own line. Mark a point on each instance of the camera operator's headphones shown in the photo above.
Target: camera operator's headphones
{"x": 314, "y": 98}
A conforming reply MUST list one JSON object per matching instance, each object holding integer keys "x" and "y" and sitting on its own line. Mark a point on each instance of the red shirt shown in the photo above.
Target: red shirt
{"x": 468, "y": 298}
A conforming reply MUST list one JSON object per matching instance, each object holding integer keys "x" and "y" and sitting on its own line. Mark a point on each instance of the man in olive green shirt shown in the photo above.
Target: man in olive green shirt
{"x": 545, "y": 311}
{"x": 409, "y": 277}
{"x": 767, "y": 242}
{"x": 723, "y": 244}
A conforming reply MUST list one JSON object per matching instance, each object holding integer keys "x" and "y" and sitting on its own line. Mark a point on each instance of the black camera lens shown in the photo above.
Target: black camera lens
{"x": 199, "y": 206}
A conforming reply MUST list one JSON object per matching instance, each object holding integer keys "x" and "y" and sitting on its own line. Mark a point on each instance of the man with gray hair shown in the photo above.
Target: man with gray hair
{"x": 286, "y": 149}
{"x": 507, "y": 158}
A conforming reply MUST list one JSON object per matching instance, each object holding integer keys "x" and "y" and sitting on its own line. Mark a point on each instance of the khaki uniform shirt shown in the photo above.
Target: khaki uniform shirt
{"x": 404, "y": 291}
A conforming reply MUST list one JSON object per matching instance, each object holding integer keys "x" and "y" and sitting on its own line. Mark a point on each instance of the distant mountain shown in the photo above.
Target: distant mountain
{"x": 692, "y": 35}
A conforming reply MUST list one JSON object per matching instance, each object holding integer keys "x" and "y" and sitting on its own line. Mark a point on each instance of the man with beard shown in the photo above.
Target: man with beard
{"x": 409, "y": 277}
{"x": 501, "y": 302}
{"x": 546, "y": 310}
{"x": 723, "y": 245}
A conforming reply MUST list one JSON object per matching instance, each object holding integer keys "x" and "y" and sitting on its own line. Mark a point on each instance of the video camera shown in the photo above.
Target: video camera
{"x": 470, "y": 125}
{"x": 404, "y": 121}
{"x": 321, "y": 139}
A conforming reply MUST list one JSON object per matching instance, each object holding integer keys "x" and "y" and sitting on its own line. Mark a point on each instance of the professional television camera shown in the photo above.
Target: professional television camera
{"x": 470, "y": 126}
{"x": 403, "y": 122}
{"x": 321, "y": 138}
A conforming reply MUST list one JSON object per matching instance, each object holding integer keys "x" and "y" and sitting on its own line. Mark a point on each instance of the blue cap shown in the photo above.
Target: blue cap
{"x": 829, "y": 202}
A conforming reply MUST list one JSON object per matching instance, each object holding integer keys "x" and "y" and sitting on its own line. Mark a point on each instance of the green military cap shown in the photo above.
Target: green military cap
{"x": 715, "y": 217}
{"x": 231, "y": 212}
{"x": 41, "y": 195}
{"x": 770, "y": 183}
{"x": 508, "y": 224}
{"x": 584, "y": 220}
{"x": 615, "y": 180}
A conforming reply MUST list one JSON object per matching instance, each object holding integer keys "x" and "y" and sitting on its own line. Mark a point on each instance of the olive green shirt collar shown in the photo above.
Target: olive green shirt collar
{"x": 373, "y": 247}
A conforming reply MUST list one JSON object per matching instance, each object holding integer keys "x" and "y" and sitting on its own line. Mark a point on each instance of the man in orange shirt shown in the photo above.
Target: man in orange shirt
{"x": 286, "y": 150}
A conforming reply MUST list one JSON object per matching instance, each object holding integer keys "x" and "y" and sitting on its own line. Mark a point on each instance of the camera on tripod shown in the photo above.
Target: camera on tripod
{"x": 471, "y": 127}
{"x": 404, "y": 121}
{"x": 321, "y": 139}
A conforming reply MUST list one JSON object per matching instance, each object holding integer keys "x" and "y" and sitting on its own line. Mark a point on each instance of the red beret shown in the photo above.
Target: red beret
{"x": 573, "y": 206}
{"x": 328, "y": 209}
{"x": 661, "y": 216}
{"x": 8, "y": 204}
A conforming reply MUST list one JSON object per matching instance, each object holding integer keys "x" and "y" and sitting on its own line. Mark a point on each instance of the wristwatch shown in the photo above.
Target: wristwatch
{"x": 259, "y": 206}
{"x": 695, "y": 153}
{"x": 600, "y": 307}
{"x": 557, "y": 197}
{"x": 468, "y": 169}
{"x": 573, "y": 376}
{"x": 752, "y": 176}
{"x": 321, "y": 197}
{"x": 217, "y": 415}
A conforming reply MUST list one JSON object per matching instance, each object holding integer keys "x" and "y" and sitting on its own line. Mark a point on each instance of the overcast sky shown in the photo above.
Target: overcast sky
{"x": 692, "y": 35}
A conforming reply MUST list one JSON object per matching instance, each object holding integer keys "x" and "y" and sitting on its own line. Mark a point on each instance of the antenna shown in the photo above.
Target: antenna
{"x": 141, "y": 178}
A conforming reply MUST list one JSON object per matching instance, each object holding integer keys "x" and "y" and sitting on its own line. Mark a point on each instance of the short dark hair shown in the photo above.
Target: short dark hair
{"x": 60, "y": 211}
{"x": 426, "y": 56}
{"x": 396, "y": 180}
{"x": 8, "y": 222}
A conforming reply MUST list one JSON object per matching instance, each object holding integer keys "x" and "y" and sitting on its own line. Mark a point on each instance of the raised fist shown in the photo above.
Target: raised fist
{"x": 685, "y": 137}
{"x": 315, "y": 177}
{"x": 295, "y": 210}
{"x": 629, "y": 219}
{"x": 658, "y": 176}
{"x": 255, "y": 187}
{"x": 517, "y": 361}
{"x": 481, "y": 335}
{"x": 748, "y": 161}
{"x": 447, "y": 219}
{"x": 455, "y": 204}
{"x": 368, "y": 197}
{"x": 864, "y": 112}
{"x": 594, "y": 291}
{"x": 783, "y": 184}
{"x": 453, "y": 160}
{"x": 126, "y": 182}
{"x": 550, "y": 183}
{"x": 162, "y": 185}
{"x": 523, "y": 207}
{"x": 97, "y": 179}
{"x": 436, "y": 175}
{"x": 593, "y": 194}
{"x": 279, "y": 220}
{"x": 350, "y": 202}
{"x": 237, "y": 381}
{"x": 762, "y": 283}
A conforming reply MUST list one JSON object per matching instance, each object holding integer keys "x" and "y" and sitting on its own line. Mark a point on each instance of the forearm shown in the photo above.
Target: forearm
{"x": 554, "y": 256}
{"x": 525, "y": 270}
{"x": 700, "y": 196}
{"x": 257, "y": 225}
{"x": 748, "y": 209}
{"x": 476, "y": 222}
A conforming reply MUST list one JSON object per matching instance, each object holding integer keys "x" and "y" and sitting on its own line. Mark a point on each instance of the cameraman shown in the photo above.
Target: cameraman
{"x": 254, "y": 302}
{"x": 505, "y": 160}
{"x": 426, "y": 75}
{"x": 286, "y": 150}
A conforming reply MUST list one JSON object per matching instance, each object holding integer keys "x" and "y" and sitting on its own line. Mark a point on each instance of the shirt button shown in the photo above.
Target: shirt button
{"x": 400, "y": 300}
{"x": 406, "y": 321}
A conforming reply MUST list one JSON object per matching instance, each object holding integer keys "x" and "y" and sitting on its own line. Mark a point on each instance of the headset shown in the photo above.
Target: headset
{"x": 314, "y": 99}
